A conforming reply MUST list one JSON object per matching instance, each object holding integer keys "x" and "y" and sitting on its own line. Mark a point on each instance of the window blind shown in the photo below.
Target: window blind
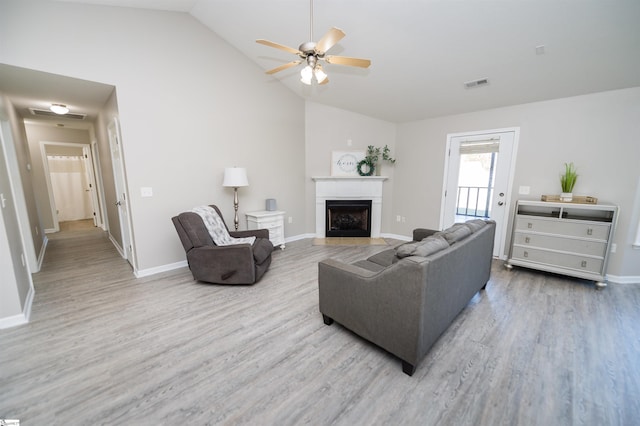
{"x": 480, "y": 147}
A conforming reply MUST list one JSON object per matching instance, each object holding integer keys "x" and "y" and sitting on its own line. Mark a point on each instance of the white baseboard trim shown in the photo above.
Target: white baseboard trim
{"x": 623, "y": 280}
{"x": 22, "y": 318}
{"x": 299, "y": 237}
{"x": 13, "y": 321}
{"x": 396, "y": 237}
{"x": 45, "y": 242}
{"x": 158, "y": 269}
{"x": 116, "y": 245}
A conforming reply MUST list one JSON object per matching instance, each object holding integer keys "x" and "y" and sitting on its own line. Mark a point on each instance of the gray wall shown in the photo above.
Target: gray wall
{"x": 189, "y": 106}
{"x": 596, "y": 132}
{"x": 15, "y": 279}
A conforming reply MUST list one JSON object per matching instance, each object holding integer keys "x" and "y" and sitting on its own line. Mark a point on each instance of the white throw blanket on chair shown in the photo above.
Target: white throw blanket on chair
{"x": 214, "y": 224}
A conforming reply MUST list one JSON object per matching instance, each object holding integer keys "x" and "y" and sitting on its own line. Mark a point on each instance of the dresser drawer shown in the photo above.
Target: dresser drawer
{"x": 573, "y": 245}
{"x": 275, "y": 233}
{"x": 270, "y": 224}
{"x": 563, "y": 227}
{"x": 562, "y": 260}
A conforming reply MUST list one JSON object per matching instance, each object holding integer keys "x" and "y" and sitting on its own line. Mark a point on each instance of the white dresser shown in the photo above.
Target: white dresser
{"x": 564, "y": 238}
{"x": 271, "y": 220}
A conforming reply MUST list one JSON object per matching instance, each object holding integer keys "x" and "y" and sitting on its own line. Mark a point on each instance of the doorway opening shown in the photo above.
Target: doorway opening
{"x": 478, "y": 177}
{"x": 70, "y": 175}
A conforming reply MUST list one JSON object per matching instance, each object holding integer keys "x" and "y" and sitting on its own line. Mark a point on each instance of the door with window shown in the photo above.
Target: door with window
{"x": 477, "y": 182}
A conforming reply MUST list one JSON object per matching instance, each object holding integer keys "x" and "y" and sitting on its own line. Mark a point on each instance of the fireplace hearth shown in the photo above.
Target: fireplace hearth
{"x": 348, "y": 218}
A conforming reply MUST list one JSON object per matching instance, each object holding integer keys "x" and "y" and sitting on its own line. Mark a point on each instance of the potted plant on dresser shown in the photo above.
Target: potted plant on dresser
{"x": 568, "y": 181}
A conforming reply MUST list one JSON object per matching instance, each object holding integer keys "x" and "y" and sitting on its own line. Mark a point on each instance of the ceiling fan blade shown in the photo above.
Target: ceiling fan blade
{"x": 284, "y": 67}
{"x": 326, "y": 80}
{"x": 279, "y": 46}
{"x": 345, "y": 60}
{"x": 329, "y": 40}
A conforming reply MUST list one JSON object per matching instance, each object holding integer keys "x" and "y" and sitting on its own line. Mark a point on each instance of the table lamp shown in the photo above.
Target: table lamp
{"x": 235, "y": 177}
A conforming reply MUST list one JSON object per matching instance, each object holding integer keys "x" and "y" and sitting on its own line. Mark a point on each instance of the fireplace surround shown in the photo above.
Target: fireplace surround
{"x": 349, "y": 188}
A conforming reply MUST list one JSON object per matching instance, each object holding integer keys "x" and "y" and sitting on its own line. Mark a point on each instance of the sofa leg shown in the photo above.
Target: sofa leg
{"x": 327, "y": 320}
{"x": 408, "y": 369}
{"x": 484, "y": 287}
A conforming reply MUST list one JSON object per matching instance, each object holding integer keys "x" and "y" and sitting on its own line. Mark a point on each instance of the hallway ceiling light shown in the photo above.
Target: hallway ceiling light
{"x": 59, "y": 109}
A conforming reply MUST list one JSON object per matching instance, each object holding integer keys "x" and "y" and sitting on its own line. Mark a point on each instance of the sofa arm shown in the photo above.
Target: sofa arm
{"x": 384, "y": 307}
{"x": 222, "y": 265}
{"x": 258, "y": 233}
{"x": 420, "y": 234}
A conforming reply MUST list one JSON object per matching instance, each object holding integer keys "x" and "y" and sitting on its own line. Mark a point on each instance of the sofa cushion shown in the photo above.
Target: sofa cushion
{"x": 475, "y": 224}
{"x": 368, "y": 265}
{"x": 422, "y": 248}
{"x": 384, "y": 258}
{"x": 455, "y": 233}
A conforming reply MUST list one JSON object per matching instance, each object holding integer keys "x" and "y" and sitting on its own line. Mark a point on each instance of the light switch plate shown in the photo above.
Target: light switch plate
{"x": 146, "y": 191}
{"x": 524, "y": 190}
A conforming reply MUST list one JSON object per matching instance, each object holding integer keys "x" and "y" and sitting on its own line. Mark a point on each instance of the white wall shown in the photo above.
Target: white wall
{"x": 15, "y": 280}
{"x": 597, "y": 132}
{"x": 189, "y": 105}
{"x": 330, "y": 129}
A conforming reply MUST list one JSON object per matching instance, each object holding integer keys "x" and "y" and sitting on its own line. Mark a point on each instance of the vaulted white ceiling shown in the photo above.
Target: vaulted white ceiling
{"x": 423, "y": 51}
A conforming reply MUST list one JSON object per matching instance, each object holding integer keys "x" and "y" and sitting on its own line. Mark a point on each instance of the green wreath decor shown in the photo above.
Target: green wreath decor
{"x": 369, "y": 165}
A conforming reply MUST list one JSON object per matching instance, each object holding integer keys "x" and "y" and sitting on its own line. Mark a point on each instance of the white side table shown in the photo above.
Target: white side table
{"x": 271, "y": 220}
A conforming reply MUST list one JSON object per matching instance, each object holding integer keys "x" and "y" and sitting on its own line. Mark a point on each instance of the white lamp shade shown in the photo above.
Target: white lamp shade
{"x": 235, "y": 177}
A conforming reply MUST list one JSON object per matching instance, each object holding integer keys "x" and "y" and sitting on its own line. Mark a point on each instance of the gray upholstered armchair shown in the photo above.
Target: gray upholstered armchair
{"x": 235, "y": 264}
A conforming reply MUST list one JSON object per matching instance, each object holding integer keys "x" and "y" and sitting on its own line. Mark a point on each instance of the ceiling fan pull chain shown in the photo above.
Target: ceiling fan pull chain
{"x": 311, "y": 21}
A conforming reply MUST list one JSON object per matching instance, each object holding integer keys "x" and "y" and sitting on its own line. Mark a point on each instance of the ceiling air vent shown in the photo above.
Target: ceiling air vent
{"x": 476, "y": 83}
{"x": 47, "y": 113}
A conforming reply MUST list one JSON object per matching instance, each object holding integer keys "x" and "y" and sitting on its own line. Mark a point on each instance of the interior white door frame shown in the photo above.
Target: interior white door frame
{"x": 507, "y": 206}
{"x": 89, "y": 163}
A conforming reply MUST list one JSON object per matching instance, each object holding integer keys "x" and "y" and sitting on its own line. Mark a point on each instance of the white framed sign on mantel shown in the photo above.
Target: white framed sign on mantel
{"x": 345, "y": 163}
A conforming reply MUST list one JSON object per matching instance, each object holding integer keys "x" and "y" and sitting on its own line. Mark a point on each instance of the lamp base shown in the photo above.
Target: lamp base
{"x": 236, "y": 220}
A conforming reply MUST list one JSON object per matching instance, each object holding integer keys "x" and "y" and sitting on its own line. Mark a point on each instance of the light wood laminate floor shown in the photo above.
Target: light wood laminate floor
{"x": 105, "y": 348}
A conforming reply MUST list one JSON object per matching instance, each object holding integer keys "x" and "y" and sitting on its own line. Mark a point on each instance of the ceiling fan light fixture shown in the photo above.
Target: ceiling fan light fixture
{"x": 320, "y": 74}
{"x": 59, "y": 109}
{"x": 306, "y": 75}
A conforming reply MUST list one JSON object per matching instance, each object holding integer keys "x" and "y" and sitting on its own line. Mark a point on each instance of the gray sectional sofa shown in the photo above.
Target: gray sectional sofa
{"x": 403, "y": 299}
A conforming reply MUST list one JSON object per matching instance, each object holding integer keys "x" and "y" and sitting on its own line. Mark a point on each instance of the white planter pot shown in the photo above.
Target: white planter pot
{"x": 566, "y": 196}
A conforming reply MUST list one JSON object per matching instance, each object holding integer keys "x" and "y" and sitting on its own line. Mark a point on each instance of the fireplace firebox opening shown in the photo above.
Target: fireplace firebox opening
{"x": 348, "y": 218}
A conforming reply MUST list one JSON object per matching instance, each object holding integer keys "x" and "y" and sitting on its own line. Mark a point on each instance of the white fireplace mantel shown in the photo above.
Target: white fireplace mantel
{"x": 349, "y": 188}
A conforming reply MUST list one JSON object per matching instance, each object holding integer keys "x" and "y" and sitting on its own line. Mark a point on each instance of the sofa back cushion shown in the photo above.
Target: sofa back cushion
{"x": 424, "y": 248}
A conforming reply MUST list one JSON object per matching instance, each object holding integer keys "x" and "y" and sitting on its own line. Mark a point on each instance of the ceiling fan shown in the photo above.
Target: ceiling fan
{"x": 312, "y": 53}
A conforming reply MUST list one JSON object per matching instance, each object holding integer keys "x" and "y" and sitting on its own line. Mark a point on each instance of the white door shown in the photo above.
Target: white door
{"x": 501, "y": 146}
{"x": 122, "y": 200}
{"x": 92, "y": 187}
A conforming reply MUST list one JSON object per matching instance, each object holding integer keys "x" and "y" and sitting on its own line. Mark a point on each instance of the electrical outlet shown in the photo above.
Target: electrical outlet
{"x": 404, "y": 219}
{"x": 614, "y": 247}
{"x": 290, "y": 219}
{"x": 524, "y": 190}
{"x": 398, "y": 218}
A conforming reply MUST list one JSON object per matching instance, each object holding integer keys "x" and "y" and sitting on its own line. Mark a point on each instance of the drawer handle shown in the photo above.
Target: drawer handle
{"x": 527, "y": 240}
{"x": 589, "y": 231}
{"x": 526, "y": 254}
{"x": 584, "y": 264}
{"x": 529, "y": 225}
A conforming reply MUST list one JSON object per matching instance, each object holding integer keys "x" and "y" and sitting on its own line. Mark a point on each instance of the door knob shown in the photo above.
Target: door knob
{"x": 500, "y": 203}
{"x": 501, "y": 194}
{"x": 118, "y": 203}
